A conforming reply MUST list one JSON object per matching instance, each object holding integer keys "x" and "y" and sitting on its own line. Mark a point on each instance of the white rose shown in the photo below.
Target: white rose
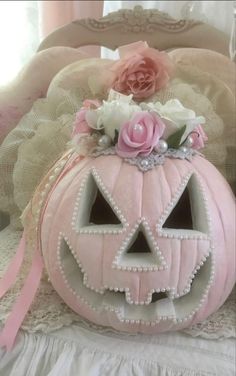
{"x": 175, "y": 116}
{"x": 113, "y": 113}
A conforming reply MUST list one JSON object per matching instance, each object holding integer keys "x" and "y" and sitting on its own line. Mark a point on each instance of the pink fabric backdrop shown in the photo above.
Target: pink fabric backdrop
{"x": 55, "y": 14}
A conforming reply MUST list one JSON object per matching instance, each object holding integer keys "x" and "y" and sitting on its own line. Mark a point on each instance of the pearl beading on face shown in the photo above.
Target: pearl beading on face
{"x": 191, "y": 233}
{"x": 145, "y": 322}
{"x": 116, "y": 264}
{"x": 105, "y": 287}
{"x": 170, "y": 291}
{"x": 115, "y": 229}
{"x": 205, "y": 293}
{"x": 85, "y": 276}
{"x": 65, "y": 280}
{"x": 127, "y": 292}
{"x": 187, "y": 288}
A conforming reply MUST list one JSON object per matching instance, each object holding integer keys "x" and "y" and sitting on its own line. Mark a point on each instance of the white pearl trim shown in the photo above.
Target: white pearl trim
{"x": 47, "y": 188}
{"x": 191, "y": 234}
{"x": 187, "y": 288}
{"x": 205, "y": 293}
{"x": 85, "y": 276}
{"x": 108, "y": 288}
{"x": 59, "y": 166}
{"x": 172, "y": 318}
{"x": 98, "y": 229}
{"x": 156, "y": 253}
{"x": 75, "y": 293}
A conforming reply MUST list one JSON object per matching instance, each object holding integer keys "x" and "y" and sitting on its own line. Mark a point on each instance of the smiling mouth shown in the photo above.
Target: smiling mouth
{"x": 161, "y": 306}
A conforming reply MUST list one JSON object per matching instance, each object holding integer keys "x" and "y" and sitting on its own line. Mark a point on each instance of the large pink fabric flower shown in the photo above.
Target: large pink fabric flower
{"x": 199, "y": 138}
{"x": 80, "y": 124}
{"x": 141, "y": 71}
{"x": 140, "y": 135}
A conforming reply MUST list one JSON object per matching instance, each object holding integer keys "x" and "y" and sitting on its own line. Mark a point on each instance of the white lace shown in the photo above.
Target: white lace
{"x": 49, "y": 312}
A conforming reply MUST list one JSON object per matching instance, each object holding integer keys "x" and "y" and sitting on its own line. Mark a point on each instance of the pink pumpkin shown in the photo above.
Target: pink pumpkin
{"x": 140, "y": 251}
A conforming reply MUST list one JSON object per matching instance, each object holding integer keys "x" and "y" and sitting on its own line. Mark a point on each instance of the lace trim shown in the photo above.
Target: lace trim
{"x": 221, "y": 324}
{"x": 152, "y": 160}
{"x": 49, "y": 312}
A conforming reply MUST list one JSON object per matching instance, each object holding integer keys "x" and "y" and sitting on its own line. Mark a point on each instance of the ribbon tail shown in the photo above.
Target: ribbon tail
{"x": 23, "y": 302}
{"x": 10, "y": 275}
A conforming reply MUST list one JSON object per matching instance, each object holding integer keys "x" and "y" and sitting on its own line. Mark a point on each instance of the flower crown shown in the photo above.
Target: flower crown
{"x": 143, "y": 133}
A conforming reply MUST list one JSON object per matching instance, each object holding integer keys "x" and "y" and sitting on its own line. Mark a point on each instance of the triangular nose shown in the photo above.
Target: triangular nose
{"x": 140, "y": 244}
{"x": 139, "y": 251}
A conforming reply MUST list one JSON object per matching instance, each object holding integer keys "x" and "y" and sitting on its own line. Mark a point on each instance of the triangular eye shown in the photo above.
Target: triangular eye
{"x": 96, "y": 209}
{"x": 101, "y": 212}
{"x": 181, "y": 215}
{"x": 140, "y": 245}
{"x": 189, "y": 209}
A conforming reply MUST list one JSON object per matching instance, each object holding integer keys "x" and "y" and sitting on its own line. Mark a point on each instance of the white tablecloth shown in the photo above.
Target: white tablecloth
{"x": 77, "y": 351}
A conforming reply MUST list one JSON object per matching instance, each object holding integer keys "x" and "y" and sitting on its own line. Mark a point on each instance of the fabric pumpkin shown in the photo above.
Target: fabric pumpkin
{"x": 141, "y": 252}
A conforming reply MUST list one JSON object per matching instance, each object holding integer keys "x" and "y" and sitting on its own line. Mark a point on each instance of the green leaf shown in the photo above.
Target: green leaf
{"x": 173, "y": 141}
{"x": 116, "y": 137}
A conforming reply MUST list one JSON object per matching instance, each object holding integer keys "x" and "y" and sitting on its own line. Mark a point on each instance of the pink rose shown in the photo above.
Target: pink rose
{"x": 141, "y": 71}
{"x": 140, "y": 134}
{"x": 80, "y": 124}
{"x": 199, "y": 137}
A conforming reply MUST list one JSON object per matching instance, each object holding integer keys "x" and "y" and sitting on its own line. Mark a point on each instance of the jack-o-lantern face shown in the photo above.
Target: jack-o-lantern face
{"x": 131, "y": 250}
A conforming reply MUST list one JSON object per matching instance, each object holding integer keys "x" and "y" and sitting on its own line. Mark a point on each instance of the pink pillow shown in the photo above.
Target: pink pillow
{"x": 32, "y": 83}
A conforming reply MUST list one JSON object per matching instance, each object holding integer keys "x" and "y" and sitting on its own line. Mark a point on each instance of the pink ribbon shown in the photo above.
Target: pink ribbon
{"x": 10, "y": 276}
{"x": 23, "y": 302}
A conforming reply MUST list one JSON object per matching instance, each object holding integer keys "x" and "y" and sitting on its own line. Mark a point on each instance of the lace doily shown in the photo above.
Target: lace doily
{"x": 48, "y": 312}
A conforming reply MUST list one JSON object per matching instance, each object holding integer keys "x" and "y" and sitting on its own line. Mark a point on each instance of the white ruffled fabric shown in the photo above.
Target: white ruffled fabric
{"x": 76, "y": 351}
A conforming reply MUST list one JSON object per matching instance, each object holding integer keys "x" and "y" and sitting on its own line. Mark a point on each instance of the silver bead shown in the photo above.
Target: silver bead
{"x": 189, "y": 142}
{"x": 161, "y": 147}
{"x": 104, "y": 141}
{"x": 183, "y": 149}
{"x": 144, "y": 163}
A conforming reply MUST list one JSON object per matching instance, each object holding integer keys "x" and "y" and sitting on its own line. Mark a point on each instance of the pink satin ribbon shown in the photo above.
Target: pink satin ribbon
{"x": 10, "y": 275}
{"x": 23, "y": 302}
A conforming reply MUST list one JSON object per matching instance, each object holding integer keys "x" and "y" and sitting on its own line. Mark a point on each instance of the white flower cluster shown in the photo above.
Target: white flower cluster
{"x": 119, "y": 108}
